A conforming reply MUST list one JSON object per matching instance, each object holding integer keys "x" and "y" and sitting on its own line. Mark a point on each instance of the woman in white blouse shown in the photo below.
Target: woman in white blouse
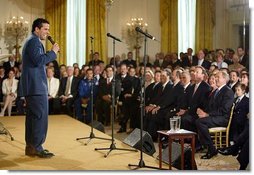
{"x": 9, "y": 88}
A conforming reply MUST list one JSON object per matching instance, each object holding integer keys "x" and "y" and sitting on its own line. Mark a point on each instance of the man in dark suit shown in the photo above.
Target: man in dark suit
{"x": 158, "y": 105}
{"x": 196, "y": 97}
{"x": 217, "y": 113}
{"x": 158, "y": 59}
{"x": 135, "y": 100}
{"x": 125, "y": 96}
{"x": 152, "y": 89}
{"x": 68, "y": 91}
{"x": 200, "y": 60}
{"x": 234, "y": 79}
{"x": 244, "y": 58}
{"x": 95, "y": 60}
{"x": 187, "y": 59}
{"x": 11, "y": 63}
{"x": 34, "y": 85}
{"x": 104, "y": 99}
{"x": 129, "y": 61}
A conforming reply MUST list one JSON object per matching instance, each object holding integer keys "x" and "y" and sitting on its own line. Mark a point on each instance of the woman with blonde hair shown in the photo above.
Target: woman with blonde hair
{"x": 9, "y": 88}
{"x": 149, "y": 78}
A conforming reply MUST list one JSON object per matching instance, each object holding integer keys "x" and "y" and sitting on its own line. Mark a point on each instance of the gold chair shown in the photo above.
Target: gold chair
{"x": 218, "y": 133}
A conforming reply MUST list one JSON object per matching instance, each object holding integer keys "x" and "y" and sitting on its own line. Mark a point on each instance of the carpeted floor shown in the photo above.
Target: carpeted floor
{"x": 74, "y": 155}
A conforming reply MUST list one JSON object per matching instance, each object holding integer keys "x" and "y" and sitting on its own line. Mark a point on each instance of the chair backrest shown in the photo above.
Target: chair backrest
{"x": 230, "y": 118}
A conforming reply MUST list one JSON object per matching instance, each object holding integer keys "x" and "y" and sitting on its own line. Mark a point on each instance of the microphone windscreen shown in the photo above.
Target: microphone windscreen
{"x": 137, "y": 29}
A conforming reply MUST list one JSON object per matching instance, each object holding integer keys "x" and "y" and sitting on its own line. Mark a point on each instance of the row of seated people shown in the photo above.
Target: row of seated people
{"x": 200, "y": 105}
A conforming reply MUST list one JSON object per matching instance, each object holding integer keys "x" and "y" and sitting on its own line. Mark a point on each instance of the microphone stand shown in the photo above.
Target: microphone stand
{"x": 141, "y": 163}
{"x": 5, "y": 131}
{"x": 113, "y": 144}
{"x": 92, "y": 135}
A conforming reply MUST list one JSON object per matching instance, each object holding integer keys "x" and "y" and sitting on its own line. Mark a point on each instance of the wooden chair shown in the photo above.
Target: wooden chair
{"x": 218, "y": 133}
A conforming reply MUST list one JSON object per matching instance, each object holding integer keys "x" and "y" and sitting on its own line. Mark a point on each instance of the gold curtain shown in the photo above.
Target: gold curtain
{"x": 169, "y": 25}
{"x": 205, "y": 22}
{"x": 96, "y": 27}
{"x": 55, "y": 13}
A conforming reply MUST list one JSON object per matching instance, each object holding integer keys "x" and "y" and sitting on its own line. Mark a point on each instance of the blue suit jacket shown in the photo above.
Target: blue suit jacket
{"x": 34, "y": 60}
{"x": 219, "y": 107}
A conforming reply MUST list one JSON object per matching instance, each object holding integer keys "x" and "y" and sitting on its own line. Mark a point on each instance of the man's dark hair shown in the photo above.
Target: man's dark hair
{"x": 38, "y": 23}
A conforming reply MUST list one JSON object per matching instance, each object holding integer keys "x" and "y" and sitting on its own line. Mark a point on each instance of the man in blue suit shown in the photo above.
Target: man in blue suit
{"x": 217, "y": 113}
{"x": 34, "y": 85}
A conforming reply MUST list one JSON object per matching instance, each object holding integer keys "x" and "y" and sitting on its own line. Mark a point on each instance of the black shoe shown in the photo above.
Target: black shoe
{"x": 44, "y": 154}
{"x": 228, "y": 151}
{"x": 209, "y": 155}
{"x": 121, "y": 130}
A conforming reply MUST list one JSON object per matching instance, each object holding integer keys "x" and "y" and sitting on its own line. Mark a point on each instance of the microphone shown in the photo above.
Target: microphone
{"x": 111, "y": 36}
{"x": 51, "y": 40}
{"x": 138, "y": 29}
{"x": 91, "y": 37}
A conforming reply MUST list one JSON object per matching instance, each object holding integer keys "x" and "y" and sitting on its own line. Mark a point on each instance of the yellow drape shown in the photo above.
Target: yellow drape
{"x": 205, "y": 21}
{"x": 169, "y": 25}
{"x": 55, "y": 13}
{"x": 96, "y": 27}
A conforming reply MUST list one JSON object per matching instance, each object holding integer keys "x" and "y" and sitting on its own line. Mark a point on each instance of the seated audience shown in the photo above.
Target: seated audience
{"x": 84, "y": 99}
{"x": 244, "y": 58}
{"x": 160, "y": 105}
{"x": 53, "y": 87}
{"x": 216, "y": 115}
{"x": 68, "y": 91}
{"x": 2, "y": 77}
{"x": 149, "y": 78}
{"x": 220, "y": 60}
{"x": 126, "y": 90}
{"x": 104, "y": 99}
{"x": 130, "y": 61}
{"x": 9, "y": 89}
{"x": 236, "y": 65}
{"x": 240, "y": 112}
{"x": 234, "y": 79}
{"x": 200, "y": 60}
{"x": 196, "y": 98}
{"x": 159, "y": 58}
{"x": 245, "y": 80}
{"x": 95, "y": 60}
{"x": 11, "y": 63}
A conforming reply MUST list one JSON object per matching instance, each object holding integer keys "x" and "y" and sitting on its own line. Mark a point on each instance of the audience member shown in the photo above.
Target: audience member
{"x": 130, "y": 61}
{"x": 240, "y": 112}
{"x": 234, "y": 79}
{"x": 104, "y": 99}
{"x": 95, "y": 60}
{"x": 216, "y": 114}
{"x": 200, "y": 60}
{"x": 244, "y": 58}
{"x": 53, "y": 87}
{"x": 2, "y": 77}
{"x": 68, "y": 91}
{"x": 9, "y": 89}
{"x": 11, "y": 63}
{"x": 236, "y": 65}
{"x": 85, "y": 87}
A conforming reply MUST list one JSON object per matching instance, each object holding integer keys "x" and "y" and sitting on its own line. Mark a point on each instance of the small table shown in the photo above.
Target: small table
{"x": 180, "y": 135}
